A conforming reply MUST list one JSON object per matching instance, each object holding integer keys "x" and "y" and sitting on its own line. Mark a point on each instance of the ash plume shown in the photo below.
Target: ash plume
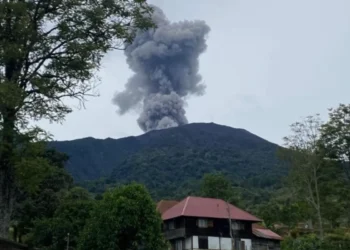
{"x": 165, "y": 65}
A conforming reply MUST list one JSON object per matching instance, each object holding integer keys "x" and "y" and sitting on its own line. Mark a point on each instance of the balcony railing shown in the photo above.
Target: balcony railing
{"x": 175, "y": 233}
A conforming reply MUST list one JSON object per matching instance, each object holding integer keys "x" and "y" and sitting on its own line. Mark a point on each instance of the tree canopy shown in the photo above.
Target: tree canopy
{"x": 41, "y": 203}
{"x": 335, "y": 137}
{"x": 68, "y": 220}
{"x": 216, "y": 185}
{"x": 125, "y": 219}
{"x": 51, "y": 51}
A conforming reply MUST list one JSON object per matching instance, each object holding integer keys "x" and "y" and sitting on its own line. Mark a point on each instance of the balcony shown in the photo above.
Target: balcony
{"x": 175, "y": 233}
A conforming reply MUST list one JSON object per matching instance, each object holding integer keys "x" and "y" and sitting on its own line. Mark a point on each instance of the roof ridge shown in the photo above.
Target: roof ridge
{"x": 158, "y": 204}
{"x": 183, "y": 210}
{"x": 191, "y": 206}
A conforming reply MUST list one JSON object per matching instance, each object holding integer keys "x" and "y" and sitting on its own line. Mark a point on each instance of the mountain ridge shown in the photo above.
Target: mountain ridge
{"x": 155, "y": 131}
{"x": 165, "y": 160}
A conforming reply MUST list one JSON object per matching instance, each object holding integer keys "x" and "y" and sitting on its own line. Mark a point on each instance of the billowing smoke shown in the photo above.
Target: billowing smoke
{"x": 165, "y": 65}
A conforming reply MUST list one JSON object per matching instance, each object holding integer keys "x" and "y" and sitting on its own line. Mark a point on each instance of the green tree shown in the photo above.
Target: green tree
{"x": 310, "y": 242}
{"x": 50, "y": 51}
{"x": 335, "y": 194}
{"x": 68, "y": 220}
{"x": 335, "y": 136}
{"x": 335, "y": 141}
{"x": 283, "y": 210}
{"x": 337, "y": 241}
{"x": 31, "y": 206}
{"x": 306, "y": 163}
{"x": 125, "y": 219}
{"x": 216, "y": 185}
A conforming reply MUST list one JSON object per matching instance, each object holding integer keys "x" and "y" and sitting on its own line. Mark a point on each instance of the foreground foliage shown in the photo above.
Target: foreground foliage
{"x": 68, "y": 221}
{"x": 50, "y": 51}
{"x": 43, "y": 201}
{"x": 316, "y": 191}
{"x": 307, "y": 164}
{"x": 125, "y": 219}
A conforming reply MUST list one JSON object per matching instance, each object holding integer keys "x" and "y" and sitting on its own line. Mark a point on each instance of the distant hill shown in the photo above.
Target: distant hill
{"x": 171, "y": 159}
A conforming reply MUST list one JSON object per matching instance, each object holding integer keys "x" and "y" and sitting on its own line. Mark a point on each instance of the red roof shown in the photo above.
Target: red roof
{"x": 265, "y": 233}
{"x": 164, "y": 205}
{"x": 207, "y": 208}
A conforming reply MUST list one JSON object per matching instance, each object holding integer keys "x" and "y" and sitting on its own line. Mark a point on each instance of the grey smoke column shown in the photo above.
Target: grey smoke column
{"x": 165, "y": 65}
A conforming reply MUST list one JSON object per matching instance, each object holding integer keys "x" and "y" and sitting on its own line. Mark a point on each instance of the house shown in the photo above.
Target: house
{"x": 265, "y": 239}
{"x": 204, "y": 223}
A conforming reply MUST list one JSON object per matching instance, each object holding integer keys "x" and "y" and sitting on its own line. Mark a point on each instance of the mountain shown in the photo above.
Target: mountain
{"x": 176, "y": 158}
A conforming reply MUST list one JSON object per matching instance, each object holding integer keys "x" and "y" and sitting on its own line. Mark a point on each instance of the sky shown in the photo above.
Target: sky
{"x": 268, "y": 64}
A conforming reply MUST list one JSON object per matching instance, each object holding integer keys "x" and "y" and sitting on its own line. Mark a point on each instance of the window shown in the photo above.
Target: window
{"x": 202, "y": 242}
{"x": 237, "y": 225}
{"x": 202, "y": 223}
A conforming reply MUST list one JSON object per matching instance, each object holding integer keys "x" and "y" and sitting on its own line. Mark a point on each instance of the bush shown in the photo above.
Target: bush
{"x": 312, "y": 242}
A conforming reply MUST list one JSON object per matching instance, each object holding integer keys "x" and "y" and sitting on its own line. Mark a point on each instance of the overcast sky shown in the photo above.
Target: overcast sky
{"x": 268, "y": 63}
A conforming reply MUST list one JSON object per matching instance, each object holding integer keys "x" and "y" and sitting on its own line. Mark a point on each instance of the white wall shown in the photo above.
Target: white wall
{"x": 213, "y": 243}
{"x": 247, "y": 243}
{"x": 226, "y": 244}
{"x": 195, "y": 242}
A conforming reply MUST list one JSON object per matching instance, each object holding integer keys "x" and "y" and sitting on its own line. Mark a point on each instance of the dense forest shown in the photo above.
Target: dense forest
{"x": 170, "y": 162}
{"x": 92, "y": 158}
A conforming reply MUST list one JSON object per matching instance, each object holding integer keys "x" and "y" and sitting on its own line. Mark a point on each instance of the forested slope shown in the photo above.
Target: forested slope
{"x": 172, "y": 159}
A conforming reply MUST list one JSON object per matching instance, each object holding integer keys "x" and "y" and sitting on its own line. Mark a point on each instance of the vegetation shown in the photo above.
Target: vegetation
{"x": 316, "y": 186}
{"x": 283, "y": 209}
{"x": 50, "y": 51}
{"x": 68, "y": 220}
{"x": 307, "y": 164}
{"x": 31, "y": 206}
{"x": 216, "y": 185}
{"x": 312, "y": 242}
{"x": 171, "y": 162}
{"x": 61, "y": 214}
{"x": 126, "y": 218}
{"x": 336, "y": 137}
{"x": 313, "y": 191}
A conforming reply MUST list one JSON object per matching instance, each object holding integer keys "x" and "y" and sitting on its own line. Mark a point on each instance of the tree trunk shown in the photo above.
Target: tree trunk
{"x": 320, "y": 223}
{"x": 319, "y": 215}
{"x": 7, "y": 184}
{"x": 230, "y": 224}
{"x": 7, "y": 139}
{"x": 6, "y": 203}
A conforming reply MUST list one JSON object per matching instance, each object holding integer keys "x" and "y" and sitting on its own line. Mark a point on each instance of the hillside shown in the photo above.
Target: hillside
{"x": 169, "y": 159}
